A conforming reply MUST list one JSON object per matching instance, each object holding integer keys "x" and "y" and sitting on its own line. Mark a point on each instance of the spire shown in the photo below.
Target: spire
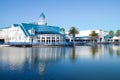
{"x": 42, "y": 15}
{"x": 42, "y": 19}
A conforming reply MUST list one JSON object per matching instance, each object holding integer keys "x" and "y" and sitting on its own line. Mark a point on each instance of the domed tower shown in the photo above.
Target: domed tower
{"x": 42, "y": 19}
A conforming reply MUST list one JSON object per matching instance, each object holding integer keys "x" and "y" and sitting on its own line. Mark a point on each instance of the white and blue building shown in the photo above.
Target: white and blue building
{"x": 33, "y": 32}
{"x": 83, "y": 35}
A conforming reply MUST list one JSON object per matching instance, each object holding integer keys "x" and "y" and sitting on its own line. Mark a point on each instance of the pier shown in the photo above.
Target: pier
{"x": 27, "y": 44}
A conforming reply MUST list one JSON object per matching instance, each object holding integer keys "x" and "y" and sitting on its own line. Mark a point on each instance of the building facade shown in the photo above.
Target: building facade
{"x": 84, "y": 35}
{"x": 33, "y": 32}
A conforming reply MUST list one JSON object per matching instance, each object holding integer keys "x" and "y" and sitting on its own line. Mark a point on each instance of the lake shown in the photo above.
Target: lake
{"x": 100, "y": 62}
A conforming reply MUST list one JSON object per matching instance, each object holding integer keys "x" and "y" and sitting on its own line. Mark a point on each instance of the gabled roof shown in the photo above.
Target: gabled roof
{"x": 39, "y": 29}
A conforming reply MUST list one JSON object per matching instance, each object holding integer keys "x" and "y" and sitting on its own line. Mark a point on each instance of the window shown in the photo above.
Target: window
{"x": 46, "y": 40}
{"x": 57, "y": 37}
{"x": 48, "y": 37}
{"x": 53, "y": 37}
{"x": 38, "y": 40}
{"x": 57, "y": 40}
{"x": 43, "y": 37}
{"x": 32, "y": 31}
{"x": 43, "y": 40}
{"x": 38, "y": 37}
{"x": 53, "y": 40}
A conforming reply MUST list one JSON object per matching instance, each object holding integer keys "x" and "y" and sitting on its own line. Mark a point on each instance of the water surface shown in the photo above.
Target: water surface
{"x": 100, "y": 62}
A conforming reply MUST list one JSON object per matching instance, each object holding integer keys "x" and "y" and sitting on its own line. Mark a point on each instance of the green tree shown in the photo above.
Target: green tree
{"x": 63, "y": 30}
{"x": 118, "y": 33}
{"x": 111, "y": 33}
{"x": 73, "y": 31}
{"x": 93, "y": 35}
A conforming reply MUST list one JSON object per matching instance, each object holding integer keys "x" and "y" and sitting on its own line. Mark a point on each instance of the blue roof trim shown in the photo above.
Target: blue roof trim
{"x": 107, "y": 36}
{"x": 16, "y": 25}
{"x": 39, "y": 29}
{"x": 24, "y": 31}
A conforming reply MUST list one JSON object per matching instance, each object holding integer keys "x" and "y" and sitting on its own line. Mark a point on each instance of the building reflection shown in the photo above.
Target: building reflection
{"x": 45, "y": 56}
{"x": 91, "y": 52}
{"x": 95, "y": 52}
{"x": 12, "y": 58}
{"x": 84, "y": 52}
{"x": 114, "y": 50}
{"x": 38, "y": 58}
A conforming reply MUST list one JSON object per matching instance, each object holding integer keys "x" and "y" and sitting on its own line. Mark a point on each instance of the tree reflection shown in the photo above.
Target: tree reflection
{"x": 94, "y": 50}
{"x": 118, "y": 52}
{"x": 73, "y": 55}
{"x": 111, "y": 51}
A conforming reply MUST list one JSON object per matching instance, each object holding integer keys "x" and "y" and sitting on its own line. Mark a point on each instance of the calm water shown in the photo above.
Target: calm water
{"x": 101, "y": 62}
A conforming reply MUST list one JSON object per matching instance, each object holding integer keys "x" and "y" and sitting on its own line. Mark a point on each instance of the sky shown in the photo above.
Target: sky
{"x": 82, "y": 14}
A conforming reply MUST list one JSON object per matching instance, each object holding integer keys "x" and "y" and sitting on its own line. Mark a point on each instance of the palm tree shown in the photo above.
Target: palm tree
{"x": 118, "y": 33}
{"x": 63, "y": 30}
{"x": 111, "y": 33}
{"x": 73, "y": 31}
{"x": 93, "y": 35}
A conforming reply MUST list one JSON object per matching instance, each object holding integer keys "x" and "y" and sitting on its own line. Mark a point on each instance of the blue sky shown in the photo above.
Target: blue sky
{"x": 83, "y": 14}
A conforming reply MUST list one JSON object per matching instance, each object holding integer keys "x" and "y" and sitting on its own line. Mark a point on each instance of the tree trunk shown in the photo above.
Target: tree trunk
{"x": 74, "y": 41}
